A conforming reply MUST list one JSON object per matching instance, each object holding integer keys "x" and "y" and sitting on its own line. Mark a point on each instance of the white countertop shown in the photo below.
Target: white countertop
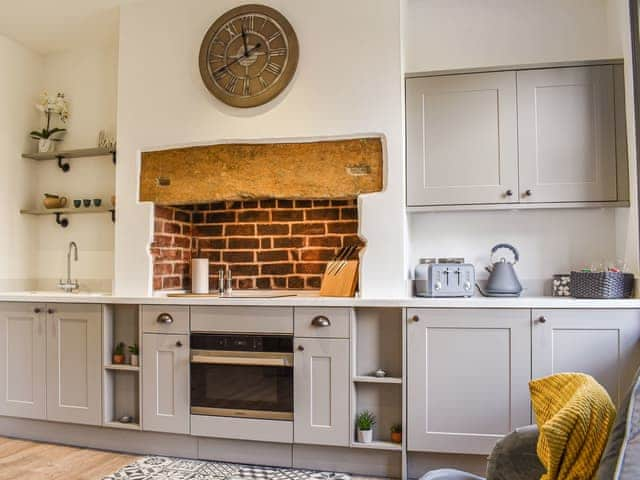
{"x": 302, "y": 299}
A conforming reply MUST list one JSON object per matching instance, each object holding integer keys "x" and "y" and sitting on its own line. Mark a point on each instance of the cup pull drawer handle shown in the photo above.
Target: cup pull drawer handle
{"x": 321, "y": 321}
{"x": 165, "y": 318}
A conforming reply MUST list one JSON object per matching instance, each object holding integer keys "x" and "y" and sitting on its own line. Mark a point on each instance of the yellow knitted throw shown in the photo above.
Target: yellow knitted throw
{"x": 574, "y": 414}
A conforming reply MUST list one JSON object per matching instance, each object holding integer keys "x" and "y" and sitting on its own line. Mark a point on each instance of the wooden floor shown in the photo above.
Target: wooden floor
{"x": 23, "y": 460}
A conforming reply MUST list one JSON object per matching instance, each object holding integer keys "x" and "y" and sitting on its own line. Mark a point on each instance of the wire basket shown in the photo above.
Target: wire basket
{"x": 601, "y": 284}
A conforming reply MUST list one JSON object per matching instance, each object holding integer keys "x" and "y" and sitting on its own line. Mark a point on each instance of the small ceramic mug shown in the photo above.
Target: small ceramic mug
{"x": 86, "y": 202}
{"x": 77, "y": 203}
{"x": 97, "y": 202}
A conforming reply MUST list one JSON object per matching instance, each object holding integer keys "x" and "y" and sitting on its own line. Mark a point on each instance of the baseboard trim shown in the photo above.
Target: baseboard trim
{"x": 313, "y": 457}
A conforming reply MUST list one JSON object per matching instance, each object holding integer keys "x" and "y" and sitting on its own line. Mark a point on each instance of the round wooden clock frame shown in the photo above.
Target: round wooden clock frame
{"x": 248, "y": 56}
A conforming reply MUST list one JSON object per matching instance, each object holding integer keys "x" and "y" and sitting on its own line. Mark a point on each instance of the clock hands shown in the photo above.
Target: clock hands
{"x": 244, "y": 41}
{"x": 246, "y": 55}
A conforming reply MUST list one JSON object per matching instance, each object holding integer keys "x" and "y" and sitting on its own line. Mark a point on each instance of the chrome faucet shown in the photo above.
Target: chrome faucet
{"x": 69, "y": 285}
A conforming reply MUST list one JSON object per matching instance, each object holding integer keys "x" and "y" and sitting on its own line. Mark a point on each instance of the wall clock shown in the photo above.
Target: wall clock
{"x": 248, "y": 56}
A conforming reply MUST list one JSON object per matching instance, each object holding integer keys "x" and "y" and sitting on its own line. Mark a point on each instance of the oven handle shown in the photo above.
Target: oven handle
{"x": 285, "y": 360}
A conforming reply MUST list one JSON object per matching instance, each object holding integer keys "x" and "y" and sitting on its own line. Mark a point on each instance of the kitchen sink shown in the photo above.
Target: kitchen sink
{"x": 239, "y": 294}
{"x": 56, "y": 293}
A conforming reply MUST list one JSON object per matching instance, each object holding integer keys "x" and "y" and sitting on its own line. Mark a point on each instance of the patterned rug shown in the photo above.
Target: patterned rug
{"x": 166, "y": 468}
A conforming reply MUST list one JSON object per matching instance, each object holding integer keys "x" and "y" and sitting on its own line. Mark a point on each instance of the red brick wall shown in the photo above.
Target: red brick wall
{"x": 268, "y": 244}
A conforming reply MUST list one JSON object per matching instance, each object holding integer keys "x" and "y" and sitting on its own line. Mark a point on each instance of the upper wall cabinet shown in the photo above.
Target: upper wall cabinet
{"x": 541, "y": 137}
{"x": 566, "y": 135}
{"x": 462, "y": 139}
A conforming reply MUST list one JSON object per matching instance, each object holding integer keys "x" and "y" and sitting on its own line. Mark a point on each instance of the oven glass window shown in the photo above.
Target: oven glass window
{"x": 242, "y": 387}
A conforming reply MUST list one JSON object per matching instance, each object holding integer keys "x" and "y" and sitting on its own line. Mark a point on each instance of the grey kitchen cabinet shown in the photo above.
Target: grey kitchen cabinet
{"x": 601, "y": 343}
{"x": 467, "y": 372}
{"x": 23, "y": 360}
{"x": 321, "y": 391}
{"x": 165, "y": 383}
{"x": 566, "y": 134}
{"x": 527, "y": 137}
{"x": 74, "y": 367}
{"x": 462, "y": 139}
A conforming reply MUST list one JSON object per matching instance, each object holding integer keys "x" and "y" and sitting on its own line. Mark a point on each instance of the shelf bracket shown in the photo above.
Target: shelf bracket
{"x": 63, "y": 166}
{"x": 113, "y": 216}
{"x": 113, "y": 157}
{"x": 63, "y": 222}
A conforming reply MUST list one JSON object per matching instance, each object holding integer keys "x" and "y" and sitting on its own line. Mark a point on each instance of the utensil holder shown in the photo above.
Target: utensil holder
{"x": 340, "y": 279}
{"x": 601, "y": 284}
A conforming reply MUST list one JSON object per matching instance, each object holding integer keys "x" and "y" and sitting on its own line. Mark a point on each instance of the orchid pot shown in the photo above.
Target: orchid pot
{"x": 46, "y": 145}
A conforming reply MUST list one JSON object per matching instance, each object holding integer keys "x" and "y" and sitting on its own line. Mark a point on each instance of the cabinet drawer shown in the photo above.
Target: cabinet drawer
{"x": 242, "y": 319}
{"x": 155, "y": 321}
{"x": 322, "y": 322}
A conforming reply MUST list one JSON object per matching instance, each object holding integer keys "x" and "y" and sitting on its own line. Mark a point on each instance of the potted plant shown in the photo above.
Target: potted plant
{"x": 396, "y": 433}
{"x": 365, "y": 422}
{"x": 118, "y": 354}
{"x": 134, "y": 350}
{"x": 51, "y": 106}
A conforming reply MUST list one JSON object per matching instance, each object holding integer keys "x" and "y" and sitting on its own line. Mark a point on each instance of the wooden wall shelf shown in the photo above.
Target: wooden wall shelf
{"x": 59, "y": 212}
{"x": 66, "y": 154}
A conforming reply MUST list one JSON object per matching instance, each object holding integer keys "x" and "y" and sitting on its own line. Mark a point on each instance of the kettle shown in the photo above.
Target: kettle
{"x": 503, "y": 280}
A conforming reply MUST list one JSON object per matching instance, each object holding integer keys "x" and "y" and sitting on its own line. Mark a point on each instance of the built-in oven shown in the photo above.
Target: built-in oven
{"x": 248, "y": 376}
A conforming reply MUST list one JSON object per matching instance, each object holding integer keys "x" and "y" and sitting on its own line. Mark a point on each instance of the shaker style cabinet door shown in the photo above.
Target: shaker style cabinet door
{"x": 321, "y": 391}
{"x": 74, "y": 368}
{"x": 566, "y": 134}
{"x": 467, "y": 372}
{"x": 22, "y": 360}
{"x": 462, "y": 139}
{"x": 602, "y": 343}
{"x": 165, "y": 383}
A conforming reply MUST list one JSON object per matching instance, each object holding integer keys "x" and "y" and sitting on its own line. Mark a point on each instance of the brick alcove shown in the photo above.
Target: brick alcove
{"x": 275, "y": 213}
{"x": 268, "y": 244}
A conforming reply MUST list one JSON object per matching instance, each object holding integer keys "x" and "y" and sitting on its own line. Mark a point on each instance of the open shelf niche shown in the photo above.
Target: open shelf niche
{"x": 377, "y": 343}
{"x": 121, "y": 382}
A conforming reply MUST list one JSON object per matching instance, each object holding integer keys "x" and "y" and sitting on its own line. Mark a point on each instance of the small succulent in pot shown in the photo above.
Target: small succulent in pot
{"x": 134, "y": 350}
{"x": 118, "y": 354}
{"x": 365, "y": 422}
{"x": 396, "y": 433}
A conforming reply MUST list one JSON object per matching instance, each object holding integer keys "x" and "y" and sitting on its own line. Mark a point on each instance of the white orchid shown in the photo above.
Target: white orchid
{"x": 48, "y": 105}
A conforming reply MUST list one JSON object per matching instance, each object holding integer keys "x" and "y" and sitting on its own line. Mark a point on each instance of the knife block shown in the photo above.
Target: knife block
{"x": 342, "y": 283}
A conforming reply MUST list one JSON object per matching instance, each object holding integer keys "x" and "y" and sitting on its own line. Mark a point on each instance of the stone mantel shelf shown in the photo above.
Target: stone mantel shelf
{"x": 307, "y": 299}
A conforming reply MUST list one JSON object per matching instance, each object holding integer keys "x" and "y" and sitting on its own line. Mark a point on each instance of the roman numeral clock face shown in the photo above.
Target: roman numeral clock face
{"x": 248, "y": 56}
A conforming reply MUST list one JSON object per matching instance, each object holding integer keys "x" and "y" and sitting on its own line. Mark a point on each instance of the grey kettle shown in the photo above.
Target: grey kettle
{"x": 503, "y": 280}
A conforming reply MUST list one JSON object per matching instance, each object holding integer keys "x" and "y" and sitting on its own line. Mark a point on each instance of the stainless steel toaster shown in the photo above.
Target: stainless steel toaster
{"x": 448, "y": 277}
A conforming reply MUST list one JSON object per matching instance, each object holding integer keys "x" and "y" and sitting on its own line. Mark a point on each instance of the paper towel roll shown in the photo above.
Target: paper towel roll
{"x": 200, "y": 275}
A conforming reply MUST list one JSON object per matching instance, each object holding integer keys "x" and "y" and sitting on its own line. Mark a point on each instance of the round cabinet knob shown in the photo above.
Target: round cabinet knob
{"x": 51, "y": 311}
{"x": 300, "y": 348}
{"x": 165, "y": 318}
{"x": 321, "y": 321}
{"x": 415, "y": 318}
{"x": 528, "y": 193}
{"x": 542, "y": 320}
{"x": 467, "y": 285}
{"x": 438, "y": 285}
{"x": 178, "y": 343}
{"x": 508, "y": 193}
{"x": 37, "y": 310}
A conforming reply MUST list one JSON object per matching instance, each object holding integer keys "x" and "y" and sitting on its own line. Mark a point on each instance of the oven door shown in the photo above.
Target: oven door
{"x": 242, "y": 384}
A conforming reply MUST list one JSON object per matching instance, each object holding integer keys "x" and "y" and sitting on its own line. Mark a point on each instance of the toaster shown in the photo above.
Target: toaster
{"x": 444, "y": 278}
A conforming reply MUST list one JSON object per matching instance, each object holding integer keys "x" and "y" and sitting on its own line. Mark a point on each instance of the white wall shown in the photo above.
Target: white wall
{"x": 549, "y": 241}
{"x": 21, "y": 70}
{"x": 349, "y": 82}
{"x": 88, "y": 77}
{"x": 449, "y": 34}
